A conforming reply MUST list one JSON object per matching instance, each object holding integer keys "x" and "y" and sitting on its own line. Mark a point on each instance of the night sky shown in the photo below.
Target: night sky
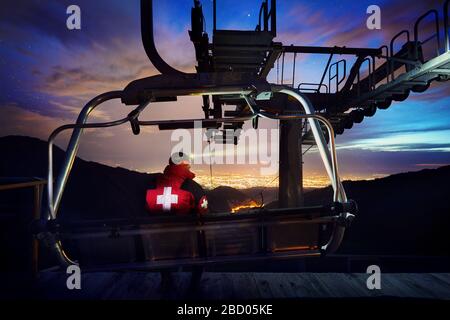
{"x": 47, "y": 74}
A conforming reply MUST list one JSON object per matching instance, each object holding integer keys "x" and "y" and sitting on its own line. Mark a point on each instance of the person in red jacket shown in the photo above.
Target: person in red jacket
{"x": 175, "y": 191}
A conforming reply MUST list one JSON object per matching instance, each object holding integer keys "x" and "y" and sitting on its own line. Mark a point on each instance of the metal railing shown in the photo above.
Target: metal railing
{"x": 282, "y": 57}
{"x": 266, "y": 14}
{"x": 446, "y": 38}
{"x": 336, "y": 76}
{"x": 393, "y": 61}
{"x": 371, "y": 67}
{"x": 391, "y": 57}
{"x": 318, "y": 87}
{"x": 385, "y": 57}
{"x": 434, "y": 35}
{"x": 392, "y": 52}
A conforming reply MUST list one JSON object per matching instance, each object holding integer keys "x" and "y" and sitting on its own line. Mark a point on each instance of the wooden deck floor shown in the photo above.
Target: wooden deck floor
{"x": 218, "y": 286}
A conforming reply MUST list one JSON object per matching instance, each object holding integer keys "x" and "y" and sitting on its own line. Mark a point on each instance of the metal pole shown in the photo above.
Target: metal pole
{"x": 35, "y": 242}
{"x": 266, "y": 15}
{"x": 273, "y": 17}
{"x": 293, "y": 71}
{"x": 446, "y": 25}
{"x": 325, "y": 71}
{"x": 290, "y": 185}
{"x": 330, "y": 164}
{"x": 214, "y": 15}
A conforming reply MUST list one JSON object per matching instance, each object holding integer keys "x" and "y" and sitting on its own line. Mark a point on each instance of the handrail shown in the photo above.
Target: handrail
{"x": 416, "y": 31}
{"x": 148, "y": 227}
{"x": 396, "y": 37}
{"x": 336, "y": 76}
{"x": 319, "y": 86}
{"x": 70, "y": 157}
{"x": 267, "y": 14}
{"x": 326, "y": 69}
{"x": 214, "y": 15}
{"x": 53, "y": 205}
{"x": 273, "y": 17}
{"x": 57, "y": 131}
{"x": 329, "y": 160}
{"x": 388, "y": 69}
{"x": 81, "y": 124}
{"x": 264, "y": 13}
{"x": 293, "y": 69}
{"x": 72, "y": 147}
{"x": 391, "y": 45}
{"x": 368, "y": 77}
{"x": 262, "y": 9}
{"x": 447, "y": 45}
{"x": 282, "y": 67}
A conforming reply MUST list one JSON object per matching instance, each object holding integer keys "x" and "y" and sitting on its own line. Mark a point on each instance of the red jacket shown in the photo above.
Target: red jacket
{"x": 176, "y": 192}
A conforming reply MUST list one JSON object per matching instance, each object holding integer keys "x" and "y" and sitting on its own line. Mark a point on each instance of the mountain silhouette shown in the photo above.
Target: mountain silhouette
{"x": 93, "y": 191}
{"x": 407, "y": 213}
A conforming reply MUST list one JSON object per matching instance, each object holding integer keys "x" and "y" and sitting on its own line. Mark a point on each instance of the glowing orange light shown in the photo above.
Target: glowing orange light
{"x": 250, "y": 204}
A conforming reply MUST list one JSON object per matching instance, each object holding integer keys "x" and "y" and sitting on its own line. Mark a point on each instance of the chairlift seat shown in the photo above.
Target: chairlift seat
{"x": 175, "y": 240}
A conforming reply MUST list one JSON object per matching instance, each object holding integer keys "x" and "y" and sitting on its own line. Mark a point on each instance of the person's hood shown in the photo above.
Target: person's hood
{"x": 179, "y": 170}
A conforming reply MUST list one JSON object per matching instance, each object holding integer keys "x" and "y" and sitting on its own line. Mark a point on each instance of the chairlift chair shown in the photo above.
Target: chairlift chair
{"x": 156, "y": 242}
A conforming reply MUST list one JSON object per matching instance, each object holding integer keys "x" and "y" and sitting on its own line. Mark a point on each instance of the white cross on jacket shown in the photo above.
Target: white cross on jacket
{"x": 167, "y": 198}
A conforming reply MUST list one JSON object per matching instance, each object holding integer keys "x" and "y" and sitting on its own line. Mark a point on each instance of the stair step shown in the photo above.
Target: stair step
{"x": 232, "y": 59}
{"x": 248, "y": 38}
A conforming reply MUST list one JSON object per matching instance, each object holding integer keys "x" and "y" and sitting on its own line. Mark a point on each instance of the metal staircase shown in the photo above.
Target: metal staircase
{"x": 240, "y": 51}
{"x": 342, "y": 95}
{"x": 250, "y": 51}
{"x": 360, "y": 98}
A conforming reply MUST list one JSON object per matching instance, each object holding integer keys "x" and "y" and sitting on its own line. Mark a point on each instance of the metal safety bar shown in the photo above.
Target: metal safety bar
{"x": 151, "y": 228}
{"x": 78, "y": 127}
{"x": 72, "y": 149}
{"x": 329, "y": 158}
